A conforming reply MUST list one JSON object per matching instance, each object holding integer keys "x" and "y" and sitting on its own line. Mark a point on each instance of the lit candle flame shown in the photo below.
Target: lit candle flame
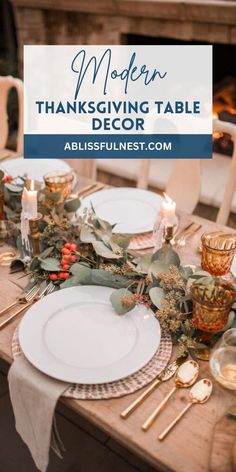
{"x": 167, "y": 198}
{"x": 31, "y": 186}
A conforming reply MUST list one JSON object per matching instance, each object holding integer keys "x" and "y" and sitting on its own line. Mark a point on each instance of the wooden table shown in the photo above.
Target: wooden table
{"x": 188, "y": 447}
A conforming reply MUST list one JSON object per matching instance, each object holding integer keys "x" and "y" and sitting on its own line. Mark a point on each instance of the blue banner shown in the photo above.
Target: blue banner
{"x": 152, "y": 146}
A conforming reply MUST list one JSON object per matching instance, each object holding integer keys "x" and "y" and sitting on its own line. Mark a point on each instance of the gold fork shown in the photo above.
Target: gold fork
{"x": 167, "y": 373}
{"x": 22, "y": 299}
{"x": 48, "y": 289}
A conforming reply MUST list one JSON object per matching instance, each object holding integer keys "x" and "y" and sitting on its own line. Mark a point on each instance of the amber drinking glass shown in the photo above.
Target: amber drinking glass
{"x": 59, "y": 181}
{"x": 210, "y": 318}
{"x": 218, "y": 249}
{"x": 211, "y": 305}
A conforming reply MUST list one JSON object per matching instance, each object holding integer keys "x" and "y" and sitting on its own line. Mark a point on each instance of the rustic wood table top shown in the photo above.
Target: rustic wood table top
{"x": 188, "y": 447}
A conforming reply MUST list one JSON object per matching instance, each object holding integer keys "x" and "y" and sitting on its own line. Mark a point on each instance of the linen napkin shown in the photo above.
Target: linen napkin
{"x": 34, "y": 396}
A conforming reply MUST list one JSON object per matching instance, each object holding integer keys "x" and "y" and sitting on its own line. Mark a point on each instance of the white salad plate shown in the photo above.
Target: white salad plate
{"x": 34, "y": 168}
{"x": 133, "y": 210}
{"x": 74, "y": 335}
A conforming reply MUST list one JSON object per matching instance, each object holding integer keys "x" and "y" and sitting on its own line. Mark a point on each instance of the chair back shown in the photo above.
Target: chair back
{"x": 6, "y": 84}
{"x": 225, "y": 206}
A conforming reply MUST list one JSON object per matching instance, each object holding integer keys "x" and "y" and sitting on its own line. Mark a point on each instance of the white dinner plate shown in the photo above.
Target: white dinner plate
{"x": 134, "y": 210}
{"x": 34, "y": 168}
{"x": 74, "y": 335}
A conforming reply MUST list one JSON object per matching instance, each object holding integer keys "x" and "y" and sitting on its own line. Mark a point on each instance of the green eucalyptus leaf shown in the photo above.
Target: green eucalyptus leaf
{"x": 143, "y": 263}
{"x": 105, "y": 225}
{"x": 86, "y": 235}
{"x": 102, "y": 250}
{"x": 78, "y": 269}
{"x": 50, "y": 264}
{"x": 81, "y": 275}
{"x": 116, "y": 299}
{"x": 72, "y": 205}
{"x": 157, "y": 267}
{"x": 46, "y": 252}
{"x": 121, "y": 240}
{"x": 167, "y": 256}
{"x": 35, "y": 263}
{"x": 186, "y": 271}
{"x": 54, "y": 196}
{"x": 157, "y": 296}
{"x": 108, "y": 279}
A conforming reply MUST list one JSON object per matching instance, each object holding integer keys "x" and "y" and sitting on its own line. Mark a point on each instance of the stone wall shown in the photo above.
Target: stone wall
{"x": 107, "y": 21}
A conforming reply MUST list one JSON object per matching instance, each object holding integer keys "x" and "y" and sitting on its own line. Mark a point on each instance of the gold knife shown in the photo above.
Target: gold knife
{"x": 166, "y": 374}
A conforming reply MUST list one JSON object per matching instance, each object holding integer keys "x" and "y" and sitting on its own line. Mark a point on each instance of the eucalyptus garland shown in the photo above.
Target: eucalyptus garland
{"x": 83, "y": 250}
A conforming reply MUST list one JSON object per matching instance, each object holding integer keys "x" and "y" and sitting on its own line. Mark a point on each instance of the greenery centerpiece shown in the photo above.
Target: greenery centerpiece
{"x": 85, "y": 251}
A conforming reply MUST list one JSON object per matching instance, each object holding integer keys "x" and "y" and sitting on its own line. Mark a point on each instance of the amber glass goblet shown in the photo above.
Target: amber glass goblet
{"x": 218, "y": 249}
{"x": 59, "y": 181}
{"x": 211, "y": 307}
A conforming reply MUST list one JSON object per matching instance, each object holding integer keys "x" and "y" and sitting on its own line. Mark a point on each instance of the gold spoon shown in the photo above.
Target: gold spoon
{"x": 185, "y": 376}
{"x": 199, "y": 393}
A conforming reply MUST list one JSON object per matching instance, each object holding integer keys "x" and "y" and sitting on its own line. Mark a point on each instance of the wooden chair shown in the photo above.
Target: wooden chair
{"x": 184, "y": 185}
{"x": 83, "y": 167}
{"x": 6, "y": 84}
{"x": 225, "y": 206}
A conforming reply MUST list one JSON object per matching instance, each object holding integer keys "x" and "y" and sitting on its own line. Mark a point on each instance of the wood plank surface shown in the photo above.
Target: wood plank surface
{"x": 188, "y": 447}
{"x": 223, "y": 446}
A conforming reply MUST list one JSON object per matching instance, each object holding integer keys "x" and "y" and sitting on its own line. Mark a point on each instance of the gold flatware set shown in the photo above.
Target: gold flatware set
{"x": 34, "y": 293}
{"x": 165, "y": 375}
{"x": 27, "y": 300}
{"x": 186, "y": 375}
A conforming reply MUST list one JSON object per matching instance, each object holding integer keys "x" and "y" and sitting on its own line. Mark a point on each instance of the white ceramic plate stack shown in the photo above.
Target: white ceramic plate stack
{"x": 74, "y": 335}
{"x": 133, "y": 210}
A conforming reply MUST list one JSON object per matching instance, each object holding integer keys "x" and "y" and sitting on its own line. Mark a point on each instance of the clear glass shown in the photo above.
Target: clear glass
{"x": 218, "y": 250}
{"x": 59, "y": 181}
{"x": 229, "y": 338}
{"x": 223, "y": 366}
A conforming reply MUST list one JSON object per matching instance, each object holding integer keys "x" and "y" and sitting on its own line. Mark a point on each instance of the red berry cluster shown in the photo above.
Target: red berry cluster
{"x": 67, "y": 259}
{"x": 7, "y": 179}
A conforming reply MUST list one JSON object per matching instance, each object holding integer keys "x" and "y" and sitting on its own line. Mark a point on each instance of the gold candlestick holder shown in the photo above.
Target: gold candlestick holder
{"x": 168, "y": 235}
{"x": 35, "y": 234}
